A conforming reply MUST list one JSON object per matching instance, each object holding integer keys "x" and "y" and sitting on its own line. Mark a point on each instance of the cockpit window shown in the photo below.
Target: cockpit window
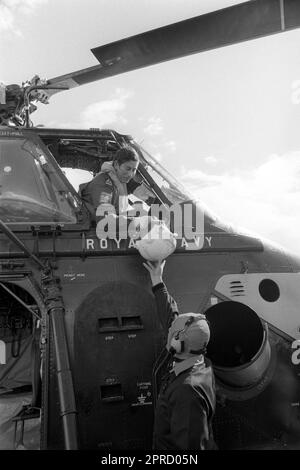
{"x": 31, "y": 188}
{"x": 171, "y": 188}
{"x": 175, "y": 192}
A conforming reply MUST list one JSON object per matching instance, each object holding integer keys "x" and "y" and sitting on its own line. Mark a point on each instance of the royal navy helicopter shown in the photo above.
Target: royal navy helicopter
{"x": 78, "y": 320}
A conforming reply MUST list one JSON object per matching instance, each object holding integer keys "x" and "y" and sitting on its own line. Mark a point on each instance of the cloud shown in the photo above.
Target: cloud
{"x": 154, "y": 127}
{"x": 198, "y": 179}
{"x": 6, "y": 20}
{"x": 62, "y": 125}
{"x": 12, "y": 10}
{"x": 265, "y": 200}
{"x": 211, "y": 160}
{"x": 100, "y": 114}
{"x": 103, "y": 113}
{"x": 170, "y": 146}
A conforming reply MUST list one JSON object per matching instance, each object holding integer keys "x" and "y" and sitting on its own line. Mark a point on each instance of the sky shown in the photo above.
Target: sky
{"x": 224, "y": 122}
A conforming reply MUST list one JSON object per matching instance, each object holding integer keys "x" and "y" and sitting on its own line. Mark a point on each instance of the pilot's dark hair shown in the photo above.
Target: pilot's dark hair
{"x": 126, "y": 154}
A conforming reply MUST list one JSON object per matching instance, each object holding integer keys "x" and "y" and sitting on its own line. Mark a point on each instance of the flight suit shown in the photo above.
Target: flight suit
{"x": 102, "y": 191}
{"x": 186, "y": 402}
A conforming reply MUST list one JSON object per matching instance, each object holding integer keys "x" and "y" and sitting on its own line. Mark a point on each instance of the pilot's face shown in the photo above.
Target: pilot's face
{"x": 126, "y": 170}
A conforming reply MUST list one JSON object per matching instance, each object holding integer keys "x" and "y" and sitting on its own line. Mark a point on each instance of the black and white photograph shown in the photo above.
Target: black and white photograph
{"x": 149, "y": 228}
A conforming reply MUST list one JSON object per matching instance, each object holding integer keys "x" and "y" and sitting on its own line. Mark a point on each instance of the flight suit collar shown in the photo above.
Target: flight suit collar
{"x": 179, "y": 367}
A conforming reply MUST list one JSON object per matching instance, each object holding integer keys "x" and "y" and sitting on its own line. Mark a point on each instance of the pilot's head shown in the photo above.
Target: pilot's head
{"x": 188, "y": 335}
{"x": 126, "y": 162}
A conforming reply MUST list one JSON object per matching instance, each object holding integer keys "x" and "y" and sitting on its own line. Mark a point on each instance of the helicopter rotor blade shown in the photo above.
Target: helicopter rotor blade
{"x": 74, "y": 79}
{"x": 242, "y": 22}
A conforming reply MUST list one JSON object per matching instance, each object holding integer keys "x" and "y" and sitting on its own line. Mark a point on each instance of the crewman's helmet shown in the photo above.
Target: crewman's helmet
{"x": 188, "y": 335}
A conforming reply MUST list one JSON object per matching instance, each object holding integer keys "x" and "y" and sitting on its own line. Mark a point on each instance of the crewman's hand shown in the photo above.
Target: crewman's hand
{"x": 156, "y": 269}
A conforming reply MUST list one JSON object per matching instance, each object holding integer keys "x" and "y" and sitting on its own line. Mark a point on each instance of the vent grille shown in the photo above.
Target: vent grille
{"x": 237, "y": 289}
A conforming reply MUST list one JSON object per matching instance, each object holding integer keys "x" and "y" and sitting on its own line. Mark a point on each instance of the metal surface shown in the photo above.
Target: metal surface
{"x": 5, "y": 229}
{"x": 67, "y": 404}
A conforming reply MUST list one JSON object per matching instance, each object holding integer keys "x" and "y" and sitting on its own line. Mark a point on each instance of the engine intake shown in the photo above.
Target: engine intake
{"x": 239, "y": 347}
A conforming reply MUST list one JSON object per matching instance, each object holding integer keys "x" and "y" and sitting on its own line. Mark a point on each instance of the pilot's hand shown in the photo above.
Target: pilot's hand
{"x": 138, "y": 178}
{"x": 134, "y": 227}
{"x": 143, "y": 192}
{"x": 114, "y": 177}
{"x": 156, "y": 269}
{"x": 140, "y": 226}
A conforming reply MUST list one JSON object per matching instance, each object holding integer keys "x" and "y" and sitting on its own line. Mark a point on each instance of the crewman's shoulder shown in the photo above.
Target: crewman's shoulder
{"x": 102, "y": 179}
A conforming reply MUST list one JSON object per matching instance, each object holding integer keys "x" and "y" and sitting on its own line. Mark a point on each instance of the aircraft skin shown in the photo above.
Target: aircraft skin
{"x": 248, "y": 289}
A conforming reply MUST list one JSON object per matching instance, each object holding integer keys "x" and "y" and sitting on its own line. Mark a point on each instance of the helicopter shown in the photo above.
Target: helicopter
{"x": 77, "y": 312}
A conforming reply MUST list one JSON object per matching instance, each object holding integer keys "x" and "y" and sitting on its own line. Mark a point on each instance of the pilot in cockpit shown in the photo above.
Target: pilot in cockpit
{"x": 117, "y": 188}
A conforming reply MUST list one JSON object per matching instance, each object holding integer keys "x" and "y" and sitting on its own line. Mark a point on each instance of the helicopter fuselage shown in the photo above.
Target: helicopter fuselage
{"x": 247, "y": 288}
